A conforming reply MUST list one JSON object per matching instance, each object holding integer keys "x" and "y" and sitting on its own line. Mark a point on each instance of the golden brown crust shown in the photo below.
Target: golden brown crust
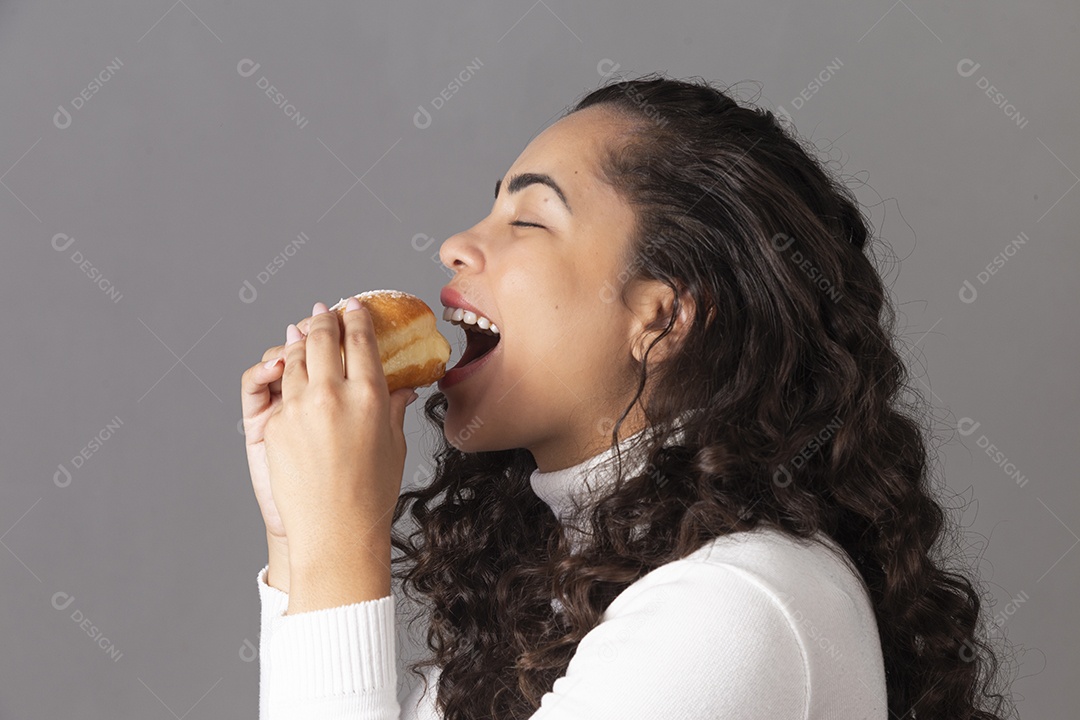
{"x": 412, "y": 350}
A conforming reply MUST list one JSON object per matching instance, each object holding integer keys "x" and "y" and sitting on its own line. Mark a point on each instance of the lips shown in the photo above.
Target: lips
{"x": 451, "y": 297}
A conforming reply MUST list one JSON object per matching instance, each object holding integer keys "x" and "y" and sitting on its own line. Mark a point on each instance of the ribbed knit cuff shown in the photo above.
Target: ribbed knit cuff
{"x": 335, "y": 653}
{"x": 273, "y": 604}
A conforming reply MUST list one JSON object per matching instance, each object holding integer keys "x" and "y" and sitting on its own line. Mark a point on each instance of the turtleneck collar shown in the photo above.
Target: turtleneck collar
{"x": 571, "y": 489}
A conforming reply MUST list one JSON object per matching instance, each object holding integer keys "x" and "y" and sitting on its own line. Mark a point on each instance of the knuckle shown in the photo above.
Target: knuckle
{"x": 323, "y": 396}
{"x": 294, "y": 352}
{"x": 273, "y": 352}
{"x": 247, "y": 378}
{"x": 369, "y": 390}
{"x": 321, "y": 333}
{"x": 355, "y": 336}
{"x": 294, "y": 369}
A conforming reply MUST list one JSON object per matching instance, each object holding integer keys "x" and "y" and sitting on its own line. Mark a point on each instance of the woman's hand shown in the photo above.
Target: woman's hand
{"x": 334, "y": 443}
{"x": 260, "y": 393}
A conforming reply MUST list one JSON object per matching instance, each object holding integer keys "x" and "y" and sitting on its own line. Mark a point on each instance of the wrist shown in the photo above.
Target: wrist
{"x": 339, "y": 558}
{"x": 277, "y": 576}
{"x": 339, "y": 582}
{"x": 324, "y": 547}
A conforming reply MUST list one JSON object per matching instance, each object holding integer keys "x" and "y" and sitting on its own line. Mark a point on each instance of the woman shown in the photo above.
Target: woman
{"x": 678, "y": 485}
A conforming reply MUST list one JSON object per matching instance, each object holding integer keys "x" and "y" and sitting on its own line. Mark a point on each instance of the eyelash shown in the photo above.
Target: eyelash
{"x": 522, "y": 223}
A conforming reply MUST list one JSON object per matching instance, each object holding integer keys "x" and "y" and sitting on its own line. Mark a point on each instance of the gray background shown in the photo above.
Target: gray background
{"x": 179, "y": 180}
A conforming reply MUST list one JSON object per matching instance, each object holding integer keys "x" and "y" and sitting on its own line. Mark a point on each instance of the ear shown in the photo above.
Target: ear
{"x": 651, "y": 303}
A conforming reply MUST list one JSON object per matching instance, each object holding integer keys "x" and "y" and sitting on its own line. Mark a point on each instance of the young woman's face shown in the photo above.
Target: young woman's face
{"x": 562, "y": 370}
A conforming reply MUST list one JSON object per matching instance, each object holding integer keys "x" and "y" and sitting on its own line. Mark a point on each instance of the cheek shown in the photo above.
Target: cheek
{"x": 566, "y": 346}
{"x": 578, "y": 354}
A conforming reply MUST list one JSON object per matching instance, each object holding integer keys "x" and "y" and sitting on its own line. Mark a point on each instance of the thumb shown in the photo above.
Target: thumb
{"x": 399, "y": 400}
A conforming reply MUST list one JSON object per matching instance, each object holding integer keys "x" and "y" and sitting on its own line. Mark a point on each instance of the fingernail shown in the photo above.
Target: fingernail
{"x": 412, "y": 399}
{"x": 352, "y": 304}
{"x": 292, "y": 334}
{"x": 316, "y": 310}
{"x": 270, "y": 364}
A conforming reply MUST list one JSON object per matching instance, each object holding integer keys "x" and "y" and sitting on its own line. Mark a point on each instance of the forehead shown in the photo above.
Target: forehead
{"x": 570, "y": 150}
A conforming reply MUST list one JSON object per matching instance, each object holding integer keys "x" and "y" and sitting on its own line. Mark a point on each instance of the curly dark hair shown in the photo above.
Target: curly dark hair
{"x": 792, "y": 348}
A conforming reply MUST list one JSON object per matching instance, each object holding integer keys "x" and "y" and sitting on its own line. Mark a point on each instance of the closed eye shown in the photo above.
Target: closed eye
{"x": 522, "y": 223}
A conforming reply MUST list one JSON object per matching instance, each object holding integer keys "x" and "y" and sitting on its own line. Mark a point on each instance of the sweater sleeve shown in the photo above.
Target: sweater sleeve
{"x": 273, "y": 603}
{"x": 690, "y": 640}
{"x": 333, "y": 664}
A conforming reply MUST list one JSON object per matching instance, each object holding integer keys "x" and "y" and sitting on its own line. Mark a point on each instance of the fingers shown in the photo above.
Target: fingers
{"x": 255, "y": 392}
{"x": 399, "y": 400}
{"x": 295, "y": 376}
{"x": 323, "y": 352}
{"x": 274, "y": 352}
{"x": 304, "y": 325}
{"x": 319, "y": 355}
{"x": 362, "y": 360}
{"x": 275, "y": 387}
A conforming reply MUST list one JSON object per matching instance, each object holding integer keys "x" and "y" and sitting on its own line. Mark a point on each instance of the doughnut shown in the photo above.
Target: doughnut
{"x": 412, "y": 350}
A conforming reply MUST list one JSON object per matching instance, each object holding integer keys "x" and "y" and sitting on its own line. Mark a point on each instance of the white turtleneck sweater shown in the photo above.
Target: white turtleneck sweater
{"x": 753, "y": 625}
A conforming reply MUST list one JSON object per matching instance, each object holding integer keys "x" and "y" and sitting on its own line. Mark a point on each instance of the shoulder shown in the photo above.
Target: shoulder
{"x": 691, "y": 639}
{"x": 811, "y": 587}
{"x": 756, "y": 612}
{"x": 782, "y": 564}
{"x": 779, "y": 565}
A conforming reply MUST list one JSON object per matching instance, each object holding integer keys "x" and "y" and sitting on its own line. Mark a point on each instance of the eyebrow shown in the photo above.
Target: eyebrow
{"x": 518, "y": 182}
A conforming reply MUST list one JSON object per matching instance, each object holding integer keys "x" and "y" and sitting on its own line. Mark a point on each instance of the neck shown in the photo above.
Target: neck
{"x": 565, "y": 451}
{"x": 567, "y": 489}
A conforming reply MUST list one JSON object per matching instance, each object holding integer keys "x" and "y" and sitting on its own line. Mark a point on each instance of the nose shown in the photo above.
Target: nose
{"x": 461, "y": 251}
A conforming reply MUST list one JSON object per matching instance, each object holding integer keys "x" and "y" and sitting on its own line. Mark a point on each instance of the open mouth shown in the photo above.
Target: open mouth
{"x": 481, "y": 337}
{"x": 478, "y": 345}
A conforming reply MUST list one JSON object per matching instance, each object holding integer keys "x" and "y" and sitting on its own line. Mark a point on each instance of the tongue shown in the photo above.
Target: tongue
{"x": 479, "y": 344}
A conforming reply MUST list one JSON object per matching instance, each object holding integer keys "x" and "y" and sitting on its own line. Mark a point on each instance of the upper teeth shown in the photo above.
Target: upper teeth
{"x": 458, "y": 316}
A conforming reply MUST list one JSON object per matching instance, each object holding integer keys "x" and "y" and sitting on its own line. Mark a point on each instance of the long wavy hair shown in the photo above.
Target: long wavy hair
{"x": 806, "y": 424}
